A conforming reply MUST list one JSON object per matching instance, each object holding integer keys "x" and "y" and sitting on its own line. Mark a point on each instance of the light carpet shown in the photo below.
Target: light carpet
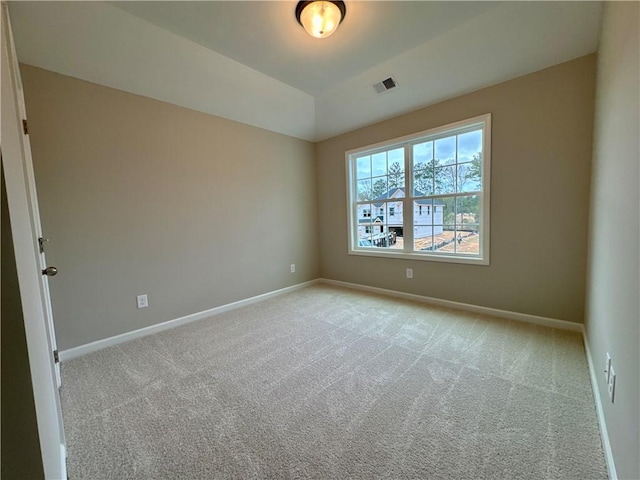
{"x": 333, "y": 383}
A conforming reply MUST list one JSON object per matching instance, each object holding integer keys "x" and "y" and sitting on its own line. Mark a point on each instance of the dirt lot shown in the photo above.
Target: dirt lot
{"x": 470, "y": 243}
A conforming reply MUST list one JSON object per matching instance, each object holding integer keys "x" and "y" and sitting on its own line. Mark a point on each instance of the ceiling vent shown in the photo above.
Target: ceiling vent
{"x": 385, "y": 85}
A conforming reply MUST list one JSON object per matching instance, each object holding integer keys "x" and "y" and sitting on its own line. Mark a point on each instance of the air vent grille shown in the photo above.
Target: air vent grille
{"x": 385, "y": 85}
{"x": 389, "y": 83}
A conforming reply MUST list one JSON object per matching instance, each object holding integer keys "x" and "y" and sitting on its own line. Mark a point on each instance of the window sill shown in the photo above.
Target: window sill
{"x": 429, "y": 257}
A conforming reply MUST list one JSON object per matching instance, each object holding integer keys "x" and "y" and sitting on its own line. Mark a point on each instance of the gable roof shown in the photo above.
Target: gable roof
{"x": 395, "y": 192}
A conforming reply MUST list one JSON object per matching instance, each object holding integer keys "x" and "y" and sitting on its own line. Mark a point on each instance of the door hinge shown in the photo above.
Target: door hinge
{"x": 25, "y": 127}
{"x": 41, "y": 242}
{"x": 56, "y": 357}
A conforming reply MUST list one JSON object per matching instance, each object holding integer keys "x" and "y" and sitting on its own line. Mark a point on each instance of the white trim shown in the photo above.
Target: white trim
{"x": 520, "y": 317}
{"x": 63, "y": 460}
{"x": 604, "y": 434}
{"x": 81, "y": 350}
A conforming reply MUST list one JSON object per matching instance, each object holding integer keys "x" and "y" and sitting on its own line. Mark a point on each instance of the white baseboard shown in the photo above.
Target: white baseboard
{"x": 81, "y": 350}
{"x": 521, "y": 317}
{"x": 604, "y": 434}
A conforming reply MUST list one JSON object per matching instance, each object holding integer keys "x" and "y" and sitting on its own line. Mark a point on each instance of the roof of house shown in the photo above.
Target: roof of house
{"x": 416, "y": 193}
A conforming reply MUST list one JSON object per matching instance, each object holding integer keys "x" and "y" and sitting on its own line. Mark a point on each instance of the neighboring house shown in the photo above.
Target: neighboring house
{"x": 382, "y": 216}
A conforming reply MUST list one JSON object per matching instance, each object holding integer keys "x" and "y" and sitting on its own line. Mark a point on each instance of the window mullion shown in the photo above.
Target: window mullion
{"x": 407, "y": 220}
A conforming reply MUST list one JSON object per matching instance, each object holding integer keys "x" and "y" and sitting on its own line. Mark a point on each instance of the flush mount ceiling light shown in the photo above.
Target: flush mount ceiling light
{"x": 320, "y": 18}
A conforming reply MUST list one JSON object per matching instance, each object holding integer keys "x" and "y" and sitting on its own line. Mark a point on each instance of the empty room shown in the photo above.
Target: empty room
{"x": 320, "y": 240}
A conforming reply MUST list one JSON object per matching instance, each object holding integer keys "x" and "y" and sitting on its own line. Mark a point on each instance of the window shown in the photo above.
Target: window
{"x": 434, "y": 185}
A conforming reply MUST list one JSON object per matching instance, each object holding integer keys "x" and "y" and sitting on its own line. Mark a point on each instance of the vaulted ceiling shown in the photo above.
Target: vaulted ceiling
{"x": 252, "y": 62}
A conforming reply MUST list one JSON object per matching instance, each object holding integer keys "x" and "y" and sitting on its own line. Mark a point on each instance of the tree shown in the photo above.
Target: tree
{"x": 445, "y": 179}
{"x": 396, "y": 176}
{"x": 423, "y": 176}
{"x": 470, "y": 174}
{"x": 476, "y": 165}
{"x": 364, "y": 190}
{"x": 379, "y": 188}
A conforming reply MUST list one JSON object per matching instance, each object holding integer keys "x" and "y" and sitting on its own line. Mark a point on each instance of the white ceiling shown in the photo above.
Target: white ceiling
{"x": 253, "y": 63}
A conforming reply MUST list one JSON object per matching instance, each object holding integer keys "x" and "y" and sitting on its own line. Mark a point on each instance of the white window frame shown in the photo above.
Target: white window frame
{"x": 406, "y": 142}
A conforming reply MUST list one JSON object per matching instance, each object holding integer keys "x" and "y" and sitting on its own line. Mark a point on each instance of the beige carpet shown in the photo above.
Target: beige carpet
{"x": 331, "y": 383}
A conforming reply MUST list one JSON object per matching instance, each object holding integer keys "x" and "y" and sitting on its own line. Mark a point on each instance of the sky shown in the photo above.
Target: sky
{"x": 469, "y": 144}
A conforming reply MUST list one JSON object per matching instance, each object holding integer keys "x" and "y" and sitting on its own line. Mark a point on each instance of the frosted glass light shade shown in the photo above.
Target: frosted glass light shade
{"x": 320, "y": 18}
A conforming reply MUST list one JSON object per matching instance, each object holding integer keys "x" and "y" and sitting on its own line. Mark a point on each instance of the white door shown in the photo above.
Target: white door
{"x": 34, "y": 289}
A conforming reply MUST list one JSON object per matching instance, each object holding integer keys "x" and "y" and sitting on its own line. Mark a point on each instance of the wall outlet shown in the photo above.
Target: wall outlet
{"x": 607, "y": 367}
{"x": 612, "y": 384}
{"x": 409, "y": 272}
{"x": 293, "y": 268}
{"x": 143, "y": 301}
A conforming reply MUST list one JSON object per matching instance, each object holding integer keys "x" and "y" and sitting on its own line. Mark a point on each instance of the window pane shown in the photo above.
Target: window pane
{"x": 469, "y": 145}
{"x": 444, "y": 238}
{"x": 396, "y": 190}
{"x": 446, "y": 150}
{"x": 467, "y": 211}
{"x": 364, "y": 240}
{"x": 422, "y": 237}
{"x": 383, "y": 238}
{"x": 396, "y": 156}
{"x": 439, "y": 207}
{"x": 445, "y": 179}
{"x": 364, "y": 190}
{"x": 364, "y": 212}
{"x": 469, "y": 241}
{"x": 469, "y": 177}
{"x": 363, "y": 167}
{"x": 380, "y": 225}
{"x": 423, "y": 212}
{"x": 379, "y": 161}
{"x": 446, "y": 208}
{"x": 378, "y": 213}
{"x": 423, "y": 180}
{"x": 394, "y": 213}
{"x": 422, "y": 154}
{"x": 396, "y": 175}
{"x": 380, "y": 187}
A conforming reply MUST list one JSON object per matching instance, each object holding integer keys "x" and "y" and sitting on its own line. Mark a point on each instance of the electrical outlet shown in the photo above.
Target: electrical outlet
{"x": 607, "y": 367}
{"x": 612, "y": 384}
{"x": 293, "y": 268}
{"x": 409, "y": 272}
{"x": 143, "y": 301}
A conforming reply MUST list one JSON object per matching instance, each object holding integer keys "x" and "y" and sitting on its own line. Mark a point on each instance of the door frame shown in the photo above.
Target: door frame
{"x": 16, "y": 162}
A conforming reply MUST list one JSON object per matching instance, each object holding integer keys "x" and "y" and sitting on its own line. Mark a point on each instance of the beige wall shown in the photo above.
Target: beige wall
{"x": 139, "y": 196}
{"x": 613, "y": 312}
{"x": 542, "y": 128}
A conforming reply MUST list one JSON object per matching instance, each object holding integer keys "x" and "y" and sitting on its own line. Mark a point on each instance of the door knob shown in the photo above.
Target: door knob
{"x": 50, "y": 271}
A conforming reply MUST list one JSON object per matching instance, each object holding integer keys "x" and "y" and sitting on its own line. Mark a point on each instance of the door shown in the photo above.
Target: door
{"x": 34, "y": 289}
{"x": 33, "y": 200}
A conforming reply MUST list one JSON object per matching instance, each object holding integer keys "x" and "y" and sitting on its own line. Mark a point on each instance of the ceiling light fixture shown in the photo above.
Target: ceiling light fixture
{"x": 320, "y": 18}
